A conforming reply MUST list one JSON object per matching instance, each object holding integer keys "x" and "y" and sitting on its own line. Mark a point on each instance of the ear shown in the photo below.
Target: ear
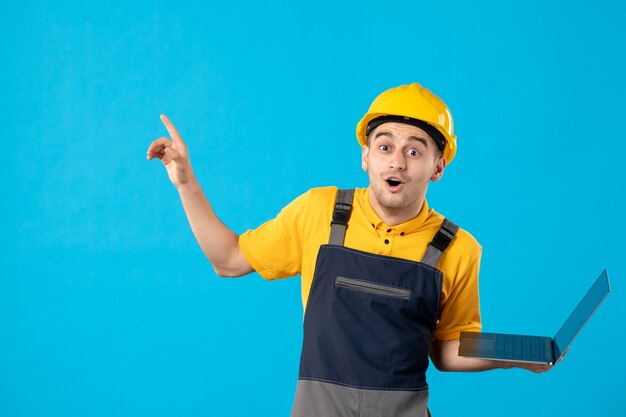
{"x": 440, "y": 166}
{"x": 364, "y": 154}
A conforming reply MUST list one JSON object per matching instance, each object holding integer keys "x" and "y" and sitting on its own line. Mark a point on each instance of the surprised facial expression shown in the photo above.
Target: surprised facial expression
{"x": 400, "y": 160}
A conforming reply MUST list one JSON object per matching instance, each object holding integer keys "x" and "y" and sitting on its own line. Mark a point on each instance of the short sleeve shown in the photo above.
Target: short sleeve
{"x": 275, "y": 248}
{"x": 461, "y": 310}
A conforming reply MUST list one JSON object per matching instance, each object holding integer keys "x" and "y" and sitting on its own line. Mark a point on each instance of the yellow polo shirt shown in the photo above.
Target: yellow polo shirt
{"x": 288, "y": 244}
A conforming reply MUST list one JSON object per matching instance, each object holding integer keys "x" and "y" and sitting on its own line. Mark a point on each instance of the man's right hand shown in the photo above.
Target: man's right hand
{"x": 173, "y": 153}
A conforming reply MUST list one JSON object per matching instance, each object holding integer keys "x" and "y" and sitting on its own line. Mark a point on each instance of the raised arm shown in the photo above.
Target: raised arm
{"x": 218, "y": 242}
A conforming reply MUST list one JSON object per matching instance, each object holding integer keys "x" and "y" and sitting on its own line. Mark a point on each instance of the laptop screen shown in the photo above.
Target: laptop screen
{"x": 581, "y": 314}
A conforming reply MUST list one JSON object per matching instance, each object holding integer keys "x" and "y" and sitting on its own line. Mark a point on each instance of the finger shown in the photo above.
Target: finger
{"x": 172, "y": 130}
{"x": 159, "y": 143}
{"x": 173, "y": 153}
{"x": 157, "y": 147}
{"x": 539, "y": 369}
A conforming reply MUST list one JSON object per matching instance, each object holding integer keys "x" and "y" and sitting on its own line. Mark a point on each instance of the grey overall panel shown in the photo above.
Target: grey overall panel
{"x": 323, "y": 399}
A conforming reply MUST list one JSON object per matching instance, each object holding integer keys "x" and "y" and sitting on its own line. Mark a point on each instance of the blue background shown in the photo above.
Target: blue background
{"x": 108, "y": 306}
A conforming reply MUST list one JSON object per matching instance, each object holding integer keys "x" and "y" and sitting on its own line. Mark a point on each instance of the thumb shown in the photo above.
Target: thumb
{"x": 173, "y": 153}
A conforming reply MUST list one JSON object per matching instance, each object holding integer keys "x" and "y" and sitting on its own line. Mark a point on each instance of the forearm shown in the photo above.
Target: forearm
{"x": 445, "y": 356}
{"x": 217, "y": 241}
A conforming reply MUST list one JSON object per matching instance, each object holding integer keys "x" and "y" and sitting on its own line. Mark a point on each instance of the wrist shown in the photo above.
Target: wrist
{"x": 192, "y": 186}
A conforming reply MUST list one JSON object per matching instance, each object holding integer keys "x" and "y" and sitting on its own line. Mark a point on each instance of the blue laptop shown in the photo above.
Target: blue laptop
{"x": 537, "y": 349}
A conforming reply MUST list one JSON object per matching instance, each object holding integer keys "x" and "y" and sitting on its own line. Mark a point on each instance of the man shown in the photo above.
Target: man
{"x": 386, "y": 281}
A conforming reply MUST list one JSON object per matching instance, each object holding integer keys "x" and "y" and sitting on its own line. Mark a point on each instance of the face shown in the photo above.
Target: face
{"x": 400, "y": 160}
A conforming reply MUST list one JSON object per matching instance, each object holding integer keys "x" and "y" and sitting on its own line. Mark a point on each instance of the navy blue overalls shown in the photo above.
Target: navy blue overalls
{"x": 368, "y": 326}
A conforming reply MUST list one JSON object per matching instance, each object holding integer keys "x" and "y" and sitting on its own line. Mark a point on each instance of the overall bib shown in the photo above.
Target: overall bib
{"x": 368, "y": 327}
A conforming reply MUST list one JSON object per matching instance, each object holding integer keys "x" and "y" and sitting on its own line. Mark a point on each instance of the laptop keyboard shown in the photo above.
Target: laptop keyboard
{"x": 523, "y": 348}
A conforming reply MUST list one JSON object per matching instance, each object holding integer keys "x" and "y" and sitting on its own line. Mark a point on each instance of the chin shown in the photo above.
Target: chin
{"x": 391, "y": 201}
{"x": 393, "y": 204}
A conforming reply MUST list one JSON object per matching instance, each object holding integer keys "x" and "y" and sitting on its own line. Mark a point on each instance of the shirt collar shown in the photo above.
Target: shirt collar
{"x": 407, "y": 227}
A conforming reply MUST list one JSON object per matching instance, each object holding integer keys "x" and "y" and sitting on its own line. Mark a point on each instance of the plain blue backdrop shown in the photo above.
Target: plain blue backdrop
{"x": 109, "y": 308}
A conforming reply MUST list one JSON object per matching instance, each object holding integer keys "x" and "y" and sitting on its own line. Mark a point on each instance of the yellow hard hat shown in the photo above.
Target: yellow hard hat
{"x": 411, "y": 103}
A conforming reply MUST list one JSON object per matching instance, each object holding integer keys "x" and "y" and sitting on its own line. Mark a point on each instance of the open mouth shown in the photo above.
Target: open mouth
{"x": 393, "y": 183}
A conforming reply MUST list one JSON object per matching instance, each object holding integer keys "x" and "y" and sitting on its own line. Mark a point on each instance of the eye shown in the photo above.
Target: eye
{"x": 413, "y": 152}
{"x": 383, "y": 147}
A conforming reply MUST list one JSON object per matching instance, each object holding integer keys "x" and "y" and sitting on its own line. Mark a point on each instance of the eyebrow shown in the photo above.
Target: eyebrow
{"x": 424, "y": 141}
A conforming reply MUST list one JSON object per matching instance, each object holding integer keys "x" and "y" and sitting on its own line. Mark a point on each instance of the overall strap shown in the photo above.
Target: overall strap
{"x": 440, "y": 242}
{"x": 341, "y": 215}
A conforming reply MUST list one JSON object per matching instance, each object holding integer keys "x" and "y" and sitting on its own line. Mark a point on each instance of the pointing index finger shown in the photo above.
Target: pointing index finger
{"x": 171, "y": 129}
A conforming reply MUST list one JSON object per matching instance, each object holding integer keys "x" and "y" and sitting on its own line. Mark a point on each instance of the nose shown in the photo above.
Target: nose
{"x": 396, "y": 160}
